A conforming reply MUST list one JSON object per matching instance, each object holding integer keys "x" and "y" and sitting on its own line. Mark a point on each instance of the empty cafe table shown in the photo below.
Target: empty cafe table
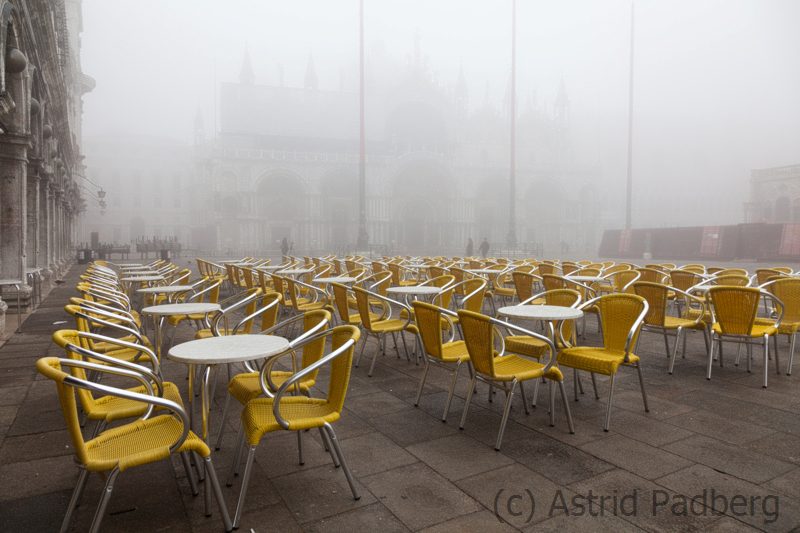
{"x": 336, "y": 279}
{"x": 160, "y": 312}
{"x": 168, "y": 290}
{"x": 548, "y": 313}
{"x": 295, "y": 271}
{"x": 585, "y": 279}
{"x": 414, "y": 291}
{"x": 204, "y": 354}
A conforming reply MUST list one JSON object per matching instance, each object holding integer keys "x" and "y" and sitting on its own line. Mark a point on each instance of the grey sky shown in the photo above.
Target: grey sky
{"x": 717, "y": 81}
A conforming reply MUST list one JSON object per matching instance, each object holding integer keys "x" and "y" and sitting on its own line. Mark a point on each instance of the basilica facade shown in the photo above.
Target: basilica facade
{"x": 285, "y": 163}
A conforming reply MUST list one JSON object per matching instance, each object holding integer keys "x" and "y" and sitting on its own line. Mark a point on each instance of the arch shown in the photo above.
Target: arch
{"x": 423, "y": 194}
{"x": 280, "y": 200}
{"x": 14, "y": 87}
{"x": 340, "y": 206}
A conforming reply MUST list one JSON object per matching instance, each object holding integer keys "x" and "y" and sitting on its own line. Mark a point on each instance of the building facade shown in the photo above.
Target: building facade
{"x": 285, "y": 164}
{"x": 41, "y": 164}
{"x": 774, "y": 195}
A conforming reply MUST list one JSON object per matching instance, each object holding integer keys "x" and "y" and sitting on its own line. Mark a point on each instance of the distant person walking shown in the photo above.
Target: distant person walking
{"x": 284, "y": 247}
{"x": 484, "y": 247}
{"x": 470, "y": 247}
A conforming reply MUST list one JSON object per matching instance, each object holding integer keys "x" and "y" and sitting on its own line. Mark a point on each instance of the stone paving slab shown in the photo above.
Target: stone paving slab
{"x": 416, "y": 473}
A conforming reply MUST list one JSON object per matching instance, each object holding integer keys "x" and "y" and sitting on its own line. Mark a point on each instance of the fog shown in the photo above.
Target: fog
{"x": 716, "y": 95}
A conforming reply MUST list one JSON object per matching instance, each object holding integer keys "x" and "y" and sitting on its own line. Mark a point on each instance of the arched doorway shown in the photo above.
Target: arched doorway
{"x": 422, "y": 202}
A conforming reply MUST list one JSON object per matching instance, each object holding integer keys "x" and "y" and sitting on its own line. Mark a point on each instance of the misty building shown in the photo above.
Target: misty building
{"x": 41, "y": 89}
{"x": 285, "y": 165}
{"x": 774, "y": 195}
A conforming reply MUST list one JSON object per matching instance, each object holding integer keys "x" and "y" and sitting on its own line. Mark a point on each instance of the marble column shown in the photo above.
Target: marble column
{"x": 45, "y": 257}
{"x": 33, "y": 216}
{"x": 13, "y": 198}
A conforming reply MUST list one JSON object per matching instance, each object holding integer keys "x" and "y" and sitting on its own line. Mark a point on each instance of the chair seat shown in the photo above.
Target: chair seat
{"x": 301, "y": 413}
{"x": 139, "y": 443}
{"x": 103, "y": 346}
{"x": 177, "y": 319}
{"x": 310, "y": 306}
{"x": 110, "y": 408}
{"x": 127, "y": 354}
{"x": 526, "y": 345}
{"x": 455, "y": 351}
{"x": 596, "y": 360}
{"x": 759, "y": 330}
{"x": 388, "y": 326}
{"x": 786, "y": 328}
{"x": 509, "y": 367}
{"x": 674, "y": 322}
{"x": 505, "y": 291}
{"x": 247, "y": 385}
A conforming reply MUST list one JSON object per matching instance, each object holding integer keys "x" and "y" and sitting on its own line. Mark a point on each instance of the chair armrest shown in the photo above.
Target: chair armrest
{"x": 125, "y": 344}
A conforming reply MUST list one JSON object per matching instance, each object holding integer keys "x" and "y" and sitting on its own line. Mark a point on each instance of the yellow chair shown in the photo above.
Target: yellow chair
{"x": 208, "y": 294}
{"x": 247, "y": 385}
{"x": 298, "y": 413}
{"x": 506, "y": 371}
{"x": 657, "y": 318}
{"x": 652, "y": 275}
{"x": 342, "y": 303}
{"x": 144, "y": 441}
{"x": 248, "y": 299}
{"x": 621, "y": 317}
{"x": 448, "y": 355}
{"x": 734, "y": 310}
{"x": 787, "y": 290}
{"x": 317, "y": 299}
{"x": 386, "y": 325}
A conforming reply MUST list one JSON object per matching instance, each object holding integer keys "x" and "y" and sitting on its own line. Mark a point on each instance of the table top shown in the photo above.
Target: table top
{"x": 227, "y": 349}
{"x": 181, "y": 309}
{"x": 414, "y": 290}
{"x": 142, "y": 278}
{"x": 335, "y": 279}
{"x": 585, "y": 278}
{"x": 296, "y": 271}
{"x": 269, "y": 267}
{"x": 131, "y": 265}
{"x": 540, "y": 312}
{"x": 141, "y": 273}
{"x": 484, "y": 271}
{"x": 165, "y": 289}
{"x": 10, "y": 282}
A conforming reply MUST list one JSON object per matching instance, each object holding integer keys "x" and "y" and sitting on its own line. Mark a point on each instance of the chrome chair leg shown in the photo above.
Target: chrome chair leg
{"x": 570, "y": 423}
{"x": 777, "y": 354}
{"x": 594, "y": 385}
{"x": 641, "y": 386}
{"x": 551, "y": 394}
{"x": 248, "y": 469}
{"x": 666, "y": 344}
{"x": 608, "y": 407}
{"x": 675, "y": 351}
{"x": 363, "y": 345}
{"x": 101, "y": 507}
{"x": 345, "y": 468}
{"x": 449, "y": 393}
{"x": 710, "y": 359}
{"x": 189, "y": 474}
{"x": 467, "y": 401}
{"x": 222, "y": 419}
{"x": 791, "y": 355}
{"x": 214, "y": 482}
{"x": 300, "y": 447}
{"x": 237, "y": 457}
{"x": 73, "y": 502}
{"x": 524, "y": 399}
{"x": 766, "y": 360}
{"x": 506, "y": 411}
{"x": 421, "y": 385}
{"x": 328, "y": 448}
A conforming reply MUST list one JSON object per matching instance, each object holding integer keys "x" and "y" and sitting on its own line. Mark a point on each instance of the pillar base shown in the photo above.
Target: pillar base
{"x": 25, "y": 300}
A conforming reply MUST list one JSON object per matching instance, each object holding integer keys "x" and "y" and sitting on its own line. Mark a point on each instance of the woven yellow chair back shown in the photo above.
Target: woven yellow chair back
{"x": 479, "y": 338}
{"x": 362, "y": 303}
{"x": 569, "y": 268}
{"x": 783, "y": 270}
{"x": 656, "y": 295}
{"x": 278, "y": 284}
{"x": 731, "y": 272}
{"x": 436, "y": 271}
{"x": 684, "y": 279}
{"x": 563, "y": 298}
{"x": 735, "y": 280}
{"x": 63, "y": 338}
{"x": 395, "y": 270}
{"x": 314, "y": 350}
{"x": 50, "y": 368}
{"x": 377, "y": 266}
{"x": 616, "y": 268}
{"x": 652, "y": 275}
{"x": 270, "y": 317}
{"x": 441, "y": 281}
{"x": 475, "y": 303}
{"x": 340, "y": 367}
{"x": 429, "y": 322}
{"x": 552, "y": 282}
{"x": 340, "y": 301}
{"x": 546, "y": 269}
{"x": 523, "y": 284}
{"x": 763, "y": 275}
{"x": 787, "y": 290}
{"x": 379, "y": 282}
{"x": 621, "y": 279}
{"x": 735, "y": 308}
{"x": 618, "y": 313}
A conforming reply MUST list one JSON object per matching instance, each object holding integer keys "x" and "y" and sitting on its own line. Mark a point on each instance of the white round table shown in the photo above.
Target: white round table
{"x": 414, "y": 290}
{"x": 296, "y": 271}
{"x": 540, "y": 312}
{"x": 168, "y": 290}
{"x": 335, "y": 279}
{"x": 160, "y": 312}
{"x": 269, "y": 268}
{"x": 134, "y": 279}
{"x": 484, "y": 271}
{"x": 206, "y": 353}
{"x": 585, "y": 279}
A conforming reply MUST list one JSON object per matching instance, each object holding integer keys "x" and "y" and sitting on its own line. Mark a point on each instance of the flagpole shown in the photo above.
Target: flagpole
{"x": 629, "y": 184}
{"x": 363, "y": 237}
